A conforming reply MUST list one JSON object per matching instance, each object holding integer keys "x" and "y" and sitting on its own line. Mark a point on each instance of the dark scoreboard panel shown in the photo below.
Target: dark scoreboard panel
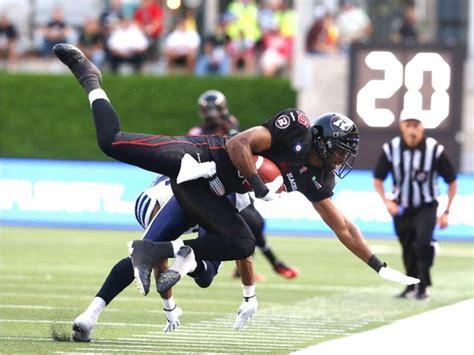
{"x": 391, "y": 81}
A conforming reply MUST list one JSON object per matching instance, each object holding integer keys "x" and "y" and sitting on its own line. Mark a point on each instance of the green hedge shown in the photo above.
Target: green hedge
{"x": 48, "y": 116}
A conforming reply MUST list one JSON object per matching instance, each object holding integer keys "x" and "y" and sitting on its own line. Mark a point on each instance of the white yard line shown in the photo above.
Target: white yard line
{"x": 446, "y": 330}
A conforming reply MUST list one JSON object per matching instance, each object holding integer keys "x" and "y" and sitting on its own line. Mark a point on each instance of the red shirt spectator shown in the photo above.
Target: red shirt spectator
{"x": 149, "y": 16}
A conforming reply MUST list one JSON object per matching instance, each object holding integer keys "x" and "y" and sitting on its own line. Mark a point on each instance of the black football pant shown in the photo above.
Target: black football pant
{"x": 415, "y": 233}
{"x": 228, "y": 237}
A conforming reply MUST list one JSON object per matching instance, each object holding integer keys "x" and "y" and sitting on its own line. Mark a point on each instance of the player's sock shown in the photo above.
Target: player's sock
{"x": 184, "y": 261}
{"x": 169, "y": 304}
{"x": 118, "y": 279}
{"x": 177, "y": 244}
{"x": 97, "y": 94}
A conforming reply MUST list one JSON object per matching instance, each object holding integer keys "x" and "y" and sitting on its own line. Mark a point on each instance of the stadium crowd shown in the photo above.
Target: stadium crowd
{"x": 250, "y": 37}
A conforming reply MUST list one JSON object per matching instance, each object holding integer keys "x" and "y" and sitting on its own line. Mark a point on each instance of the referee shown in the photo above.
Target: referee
{"x": 415, "y": 161}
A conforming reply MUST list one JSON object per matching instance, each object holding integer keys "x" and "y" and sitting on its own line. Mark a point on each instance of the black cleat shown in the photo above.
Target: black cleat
{"x": 86, "y": 73}
{"x": 167, "y": 280}
{"x": 144, "y": 254}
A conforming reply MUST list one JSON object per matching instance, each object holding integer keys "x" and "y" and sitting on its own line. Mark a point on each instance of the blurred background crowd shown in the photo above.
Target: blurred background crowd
{"x": 212, "y": 37}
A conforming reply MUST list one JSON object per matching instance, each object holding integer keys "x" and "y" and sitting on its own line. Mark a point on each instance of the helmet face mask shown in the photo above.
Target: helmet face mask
{"x": 336, "y": 140}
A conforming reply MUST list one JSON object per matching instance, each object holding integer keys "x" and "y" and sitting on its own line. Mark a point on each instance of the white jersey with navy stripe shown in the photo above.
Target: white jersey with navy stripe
{"x": 160, "y": 193}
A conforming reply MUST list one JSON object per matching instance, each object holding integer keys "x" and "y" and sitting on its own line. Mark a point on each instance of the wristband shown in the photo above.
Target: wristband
{"x": 257, "y": 185}
{"x": 375, "y": 263}
{"x": 446, "y": 212}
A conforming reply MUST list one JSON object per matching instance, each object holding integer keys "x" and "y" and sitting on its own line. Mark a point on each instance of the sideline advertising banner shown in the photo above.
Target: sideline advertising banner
{"x": 79, "y": 194}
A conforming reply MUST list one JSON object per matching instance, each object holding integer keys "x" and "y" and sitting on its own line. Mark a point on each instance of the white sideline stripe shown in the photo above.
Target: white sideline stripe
{"x": 446, "y": 330}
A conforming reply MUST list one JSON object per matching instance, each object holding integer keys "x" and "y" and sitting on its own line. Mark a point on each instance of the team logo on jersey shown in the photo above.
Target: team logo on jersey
{"x": 302, "y": 119}
{"x": 282, "y": 122}
{"x": 303, "y": 170}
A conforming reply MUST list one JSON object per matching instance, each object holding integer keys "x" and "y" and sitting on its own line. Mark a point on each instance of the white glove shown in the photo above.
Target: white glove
{"x": 191, "y": 169}
{"x": 390, "y": 274}
{"x": 172, "y": 319}
{"x": 247, "y": 310}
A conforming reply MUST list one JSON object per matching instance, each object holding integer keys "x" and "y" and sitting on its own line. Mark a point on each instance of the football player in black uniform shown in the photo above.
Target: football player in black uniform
{"x": 203, "y": 169}
{"x": 216, "y": 119}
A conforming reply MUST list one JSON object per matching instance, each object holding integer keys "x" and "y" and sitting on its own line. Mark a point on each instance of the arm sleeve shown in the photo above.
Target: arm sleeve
{"x": 383, "y": 167}
{"x": 445, "y": 168}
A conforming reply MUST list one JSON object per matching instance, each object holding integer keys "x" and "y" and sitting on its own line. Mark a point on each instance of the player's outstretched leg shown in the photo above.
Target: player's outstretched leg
{"x": 145, "y": 255}
{"x": 185, "y": 262}
{"x": 86, "y": 73}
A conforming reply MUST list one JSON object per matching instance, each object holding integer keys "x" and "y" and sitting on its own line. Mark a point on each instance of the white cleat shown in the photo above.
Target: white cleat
{"x": 82, "y": 328}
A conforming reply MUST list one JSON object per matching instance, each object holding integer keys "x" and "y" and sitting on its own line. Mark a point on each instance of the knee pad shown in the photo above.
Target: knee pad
{"x": 205, "y": 278}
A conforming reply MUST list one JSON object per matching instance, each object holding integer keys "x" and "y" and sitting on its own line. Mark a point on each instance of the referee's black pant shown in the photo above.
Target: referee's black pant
{"x": 228, "y": 237}
{"x": 415, "y": 233}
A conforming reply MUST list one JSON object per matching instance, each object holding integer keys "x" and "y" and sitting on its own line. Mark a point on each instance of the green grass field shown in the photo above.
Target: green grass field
{"x": 48, "y": 277}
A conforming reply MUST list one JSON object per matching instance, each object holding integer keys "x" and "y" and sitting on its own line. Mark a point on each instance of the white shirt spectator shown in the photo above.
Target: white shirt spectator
{"x": 182, "y": 42}
{"x": 351, "y": 24}
{"x": 128, "y": 39}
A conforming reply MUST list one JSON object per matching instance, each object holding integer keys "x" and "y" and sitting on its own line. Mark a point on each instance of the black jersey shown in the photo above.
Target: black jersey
{"x": 290, "y": 148}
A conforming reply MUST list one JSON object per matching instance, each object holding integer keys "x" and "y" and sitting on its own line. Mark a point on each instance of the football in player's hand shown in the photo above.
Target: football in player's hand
{"x": 269, "y": 173}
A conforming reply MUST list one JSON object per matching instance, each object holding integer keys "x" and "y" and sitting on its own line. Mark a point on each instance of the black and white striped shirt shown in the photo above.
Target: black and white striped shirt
{"x": 414, "y": 171}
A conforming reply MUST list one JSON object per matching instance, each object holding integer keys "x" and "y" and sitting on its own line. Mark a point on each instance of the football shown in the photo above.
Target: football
{"x": 269, "y": 172}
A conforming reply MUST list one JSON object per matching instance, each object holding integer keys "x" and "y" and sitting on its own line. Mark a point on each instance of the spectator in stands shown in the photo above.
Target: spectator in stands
{"x": 267, "y": 15}
{"x": 181, "y": 47}
{"x": 55, "y": 31}
{"x": 8, "y": 38}
{"x": 242, "y": 54}
{"x": 213, "y": 60}
{"x": 149, "y": 17}
{"x": 407, "y": 32}
{"x": 353, "y": 23}
{"x": 323, "y": 35}
{"x": 244, "y": 21}
{"x": 90, "y": 41}
{"x": 276, "y": 52}
{"x": 127, "y": 44}
{"x": 111, "y": 17}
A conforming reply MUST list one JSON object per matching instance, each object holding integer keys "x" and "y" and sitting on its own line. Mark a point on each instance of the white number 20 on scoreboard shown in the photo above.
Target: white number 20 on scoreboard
{"x": 412, "y": 77}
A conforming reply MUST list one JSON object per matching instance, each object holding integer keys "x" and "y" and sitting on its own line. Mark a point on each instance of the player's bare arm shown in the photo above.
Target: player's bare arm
{"x": 352, "y": 238}
{"x": 346, "y": 231}
{"x": 241, "y": 148}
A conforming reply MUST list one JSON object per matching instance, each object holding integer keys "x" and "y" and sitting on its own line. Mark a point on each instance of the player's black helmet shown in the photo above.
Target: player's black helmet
{"x": 213, "y": 103}
{"x": 336, "y": 135}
